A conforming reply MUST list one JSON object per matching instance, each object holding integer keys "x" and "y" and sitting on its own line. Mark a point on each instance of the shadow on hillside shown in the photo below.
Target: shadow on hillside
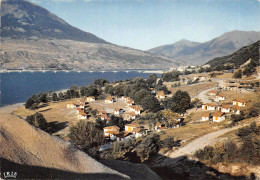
{"x": 37, "y": 172}
{"x": 46, "y": 110}
{"x": 183, "y": 168}
{"x": 56, "y": 126}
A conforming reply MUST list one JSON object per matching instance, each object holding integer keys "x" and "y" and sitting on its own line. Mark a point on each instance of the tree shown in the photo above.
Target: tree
{"x": 179, "y": 103}
{"x": 86, "y": 136}
{"x": 54, "y": 96}
{"x": 150, "y": 103}
{"x": 38, "y": 121}
{"x": 148, "y": 147}
{"x": 238, "y": 74}
{"x": 170, "y": 116}
{"x": 100, "y": 82}
{"x": 140, "y": 95}
{"x": 169, "y": 142}
{"x": 61, "y": 96}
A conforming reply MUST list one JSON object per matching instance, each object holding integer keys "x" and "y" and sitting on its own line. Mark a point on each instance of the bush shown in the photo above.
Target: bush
{"x": 38, "y": 121}
{"x": 237, "y": 74}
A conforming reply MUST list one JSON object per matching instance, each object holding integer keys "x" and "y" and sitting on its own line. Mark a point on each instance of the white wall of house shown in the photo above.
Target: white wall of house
{"x": 225, "y": 110}
{"x": 204, "y": 118}
{"x": 218, "y": 119}
{"x": 211, "y": 108}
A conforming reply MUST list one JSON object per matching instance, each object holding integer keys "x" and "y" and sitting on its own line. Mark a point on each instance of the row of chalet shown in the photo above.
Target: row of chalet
{"x": 222, "y": 108}
{"x": 80, "y": 109}
{"x": 218, "y": 97}
{"x": 216, "y": 116}
{"x": 131, "y": 131}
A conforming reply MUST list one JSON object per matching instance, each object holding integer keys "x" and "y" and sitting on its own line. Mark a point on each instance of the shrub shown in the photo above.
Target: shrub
{"x": 38, "y": 121}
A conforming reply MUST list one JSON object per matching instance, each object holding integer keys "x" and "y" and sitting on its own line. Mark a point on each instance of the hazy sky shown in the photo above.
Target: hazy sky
{"x": 144, "y": 24}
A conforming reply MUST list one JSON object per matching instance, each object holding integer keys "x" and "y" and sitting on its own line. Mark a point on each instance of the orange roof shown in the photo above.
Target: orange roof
{"x": 212, "y": 91}
{"x": 113, "y": 132}
{"x": 91, "y": 97}
{"x": 210, "y": 104}
{"x": 205, "y": 114}
{"x": 160, "y": 93}
{"x": 104, "y": 115}
{"x": 235, "y": 107}
{"x": 133, "y": 125}
{"x": 123, "y": 134}
{"x": 102, "y": 112}
{"x": 112, "y": 127}
{"x": 129, "y": 102}
{"x": 218, "y": 114}
{"x": 138, "y": 109}
{"x": 137, "y": 130}
{"x": 132, "y": 113}
{"x": 221, "y": 95}
{"x": 117, "y": 109}
{"x": 109, "y": 98}
{"x": 239, "y": 100}
{"x": 82, "y": 113}
{"x": 162, "y": 127}
{"x": 79, "y": 109}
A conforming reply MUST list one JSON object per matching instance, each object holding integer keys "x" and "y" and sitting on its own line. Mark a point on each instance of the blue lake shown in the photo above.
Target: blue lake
{"x": 18, "y": 87}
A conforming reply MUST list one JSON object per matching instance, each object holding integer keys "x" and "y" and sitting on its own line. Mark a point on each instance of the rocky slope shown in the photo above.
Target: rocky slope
{"x": 33, "y": 153}
{"x": 199, "y": 53}
{"x": 34, "y": 38}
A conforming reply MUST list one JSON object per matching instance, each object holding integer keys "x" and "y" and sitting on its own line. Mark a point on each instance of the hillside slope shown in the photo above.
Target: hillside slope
{"x": 37, "y": 152}
{"x": 34, "y": 38}
{"x": 200, "y": 53}
{"x": 239, "y": 57}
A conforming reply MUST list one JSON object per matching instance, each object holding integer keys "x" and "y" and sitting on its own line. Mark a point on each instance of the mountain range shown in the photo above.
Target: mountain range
{"x": 195, "y": 53}
{"x": 34, "y": 38}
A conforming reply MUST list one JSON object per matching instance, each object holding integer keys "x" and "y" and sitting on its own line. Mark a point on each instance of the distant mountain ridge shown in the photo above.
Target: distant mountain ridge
{"x": 200, "y": 53}
{"x": 34, "y": 38}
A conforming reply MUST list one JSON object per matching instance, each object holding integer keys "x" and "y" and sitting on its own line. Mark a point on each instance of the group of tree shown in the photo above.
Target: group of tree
{"x": 38, "y": 121}
{"x": 230, "y": 152}
{"x": 87, "y": 137}
{"x": 179, "y": 102}
{"x": 35, "y": 100}
{"x": 171, "y": 76}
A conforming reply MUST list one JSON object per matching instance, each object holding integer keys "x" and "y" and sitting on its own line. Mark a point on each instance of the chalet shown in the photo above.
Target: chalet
{"x": 218, "y": 116}
{"x": 129, "y": 99}
{"x": 224, "y": 108}
{"x": 109, "y": 100}
{"x": 209, "y": 106}
{"x": 130, "y": 116}
{"x": 103, "y": 117}
{"x": 205, "y": 116}
{"x": 220, "y": 97}
{"x": 82, "y": 115}
{"x": 124, "y": 136}
{"x": 123, "y": 98}
{"x": 161, "y": 128}
{"x": 80, "y": 110}
{"x": 152, "y": 90}
{"x": 212, "y": 93}
{"x": 130, "y": 103}
{"x": 235, "y": 109}
{"x": 139, "y": 132}
{"x": 111, "y": 132}
{"x": 239, "y": 102}
{"x": 118, "y": 111}
{"x": 72, "y": 105}
{"x": 91, "y": 98}
{"x": 137, "y": 109}
{"x": 101, "y": 112}
{"x": 131, "y": 127}
{"x": 160, "y": 95}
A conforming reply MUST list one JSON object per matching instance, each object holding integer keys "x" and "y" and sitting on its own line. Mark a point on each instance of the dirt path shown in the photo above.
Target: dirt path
{"x": 203, "y": 95}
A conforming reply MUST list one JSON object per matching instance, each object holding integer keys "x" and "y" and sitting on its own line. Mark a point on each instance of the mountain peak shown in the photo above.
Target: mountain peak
{"x": 23, "y": 19}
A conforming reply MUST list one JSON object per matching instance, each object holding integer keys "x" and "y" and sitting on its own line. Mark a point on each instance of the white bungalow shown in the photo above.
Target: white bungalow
{"x": 212, "y": 93}
{"x": 80, "y": 110}
{"x": 218, "y": 116}
{"x": 239, "y": 102}
{"x": 124, "y": 136}
{"x": 103, "y": 117}
{"x": 139, "y": 132}
{"x": 205, "y": 116}
{"x": 131, "y": 127}
{"x": 82, "y": 115}
{"x": 160, "y": 95}
{"x": 118, "y": 111}
{"x": 71, "y": 105}
{"x": 109, "y": 100}
{"x": 236, "y": 109}
{"x": 224, "y": 108}
{"x": 111, "y": 132}
{"x": 209, "y": 106}
{"x": 220, "y": 97}
{"x": 91, "y": 98}
{"x": 130, "y": 103}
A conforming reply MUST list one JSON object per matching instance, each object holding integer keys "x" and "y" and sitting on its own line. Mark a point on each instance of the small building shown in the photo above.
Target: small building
{"x": 109, "y": 100}
{"x": 80, "y": 110}
{"x": 224, "y": 108}
{"x": 82, "y": 115}
{"x": 131, "y": 127}
{"x": 205, "y": 116}
{"x": 218, "y": 116}
{"x": 101, "y": 112}
{"x": 124, "y": 136}
{"x": 235, "y": 109}
{"x": 152, "y": 90}
{"x": 72, "y": 105}
{"x": 111, "y": 132}
{"x": 91, "y": 98}
{"x": 118, "y": 111}
{"x": 130, "y": 103}
{"x": 139, "y": 132}
{"x": 209, "y": 107}
{"x": 239, "y": 102}
{"x": 220, "y": 97}
{"x": 103, "y": 117}
{"x": 212, "y": 93}
{"x": 160, "y": 95}
{"x": 123, "y": 97}
{"x": 161, "y": 128}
